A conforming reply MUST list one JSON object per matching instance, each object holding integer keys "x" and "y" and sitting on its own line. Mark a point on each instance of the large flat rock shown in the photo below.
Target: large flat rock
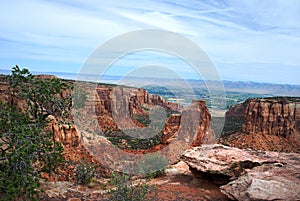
{"x": 254, "y": 175}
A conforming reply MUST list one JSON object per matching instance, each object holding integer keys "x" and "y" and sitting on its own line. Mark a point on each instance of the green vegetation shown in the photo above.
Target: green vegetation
{"x": 153, "y": 165}
{"x": 143, "y": 119}
{"x": 213, "y": 99}
{"x": 128, "y": 140}
{"x": 26, "y": 148}
{"x": 141, "y": 138}
{"x": 126, "y": 190}
{"x": 84, "y": 172}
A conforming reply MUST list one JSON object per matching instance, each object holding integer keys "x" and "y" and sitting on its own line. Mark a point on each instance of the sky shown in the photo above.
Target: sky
{"x": 246, "y": 40}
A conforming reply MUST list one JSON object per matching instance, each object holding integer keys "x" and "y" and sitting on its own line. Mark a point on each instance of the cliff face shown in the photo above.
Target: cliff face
{"x": 66, "y": 134}
{"x": 116, "y": 108}
{"x": 266, "y": 124}
{"x": 195, "y": 123}
{"x": 192, "y": 126}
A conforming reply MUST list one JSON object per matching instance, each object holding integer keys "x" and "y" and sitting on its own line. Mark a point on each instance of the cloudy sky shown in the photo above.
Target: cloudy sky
{"x": 246, "y": 40}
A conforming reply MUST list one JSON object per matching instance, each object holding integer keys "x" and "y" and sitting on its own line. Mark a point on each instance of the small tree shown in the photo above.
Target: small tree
{"x": 26, "y": 148}
{"x": 43, "y": 95}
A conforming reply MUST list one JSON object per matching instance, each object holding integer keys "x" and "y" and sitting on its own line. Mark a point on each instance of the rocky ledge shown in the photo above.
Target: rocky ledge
{"x": 251, "y": 175}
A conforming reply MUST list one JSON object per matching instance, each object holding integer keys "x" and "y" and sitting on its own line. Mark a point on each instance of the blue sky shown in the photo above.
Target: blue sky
{"x": 247, "y": 40}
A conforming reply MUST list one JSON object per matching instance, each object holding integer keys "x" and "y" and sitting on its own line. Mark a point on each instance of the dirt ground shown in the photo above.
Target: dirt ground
{"x": 182, "y": 187}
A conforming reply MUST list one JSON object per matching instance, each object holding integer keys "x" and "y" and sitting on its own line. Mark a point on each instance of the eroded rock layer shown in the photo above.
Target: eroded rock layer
{"x": 264, "y": 124}
{"x": 121, "y": 108}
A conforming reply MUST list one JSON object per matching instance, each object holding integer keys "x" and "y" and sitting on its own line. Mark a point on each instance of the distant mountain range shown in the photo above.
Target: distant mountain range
{"x": 232, "y": 86}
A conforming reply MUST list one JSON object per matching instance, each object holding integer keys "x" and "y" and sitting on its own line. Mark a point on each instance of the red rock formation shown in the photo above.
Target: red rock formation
{"x": 115, "y": 106}
{"x": 196, "y": 123}
{"x": 66, "y": 134}
{"x": 192, "y": 126}
{"x": 265, "y": 124}
{"x": 171, "y": 128}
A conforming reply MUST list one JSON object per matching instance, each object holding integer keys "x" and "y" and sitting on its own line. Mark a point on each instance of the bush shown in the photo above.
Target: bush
{"x": 125, "y": 190}
{"x": 84, "y": 173}
{"x": 26, "y": 148}
{"x": 153, "y": 165}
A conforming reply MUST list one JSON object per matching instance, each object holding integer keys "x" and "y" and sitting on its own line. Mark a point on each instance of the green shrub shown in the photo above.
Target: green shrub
{"x": 153, "y": 165}
{"x": 125, "y": 190}
{"x": 84, "y": 173}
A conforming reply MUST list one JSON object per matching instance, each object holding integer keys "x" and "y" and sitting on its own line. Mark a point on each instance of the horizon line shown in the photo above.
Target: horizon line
{"x": 58, "y": 74}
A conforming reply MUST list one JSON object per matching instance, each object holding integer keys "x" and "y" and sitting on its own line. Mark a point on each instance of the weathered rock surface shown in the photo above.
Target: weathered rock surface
{"x": 196, "y": 122}
{"x": 267, "y": 182}
{"x": 171, "y": 128}
{"x": 192, "y": 126}
{"x": 254, "y": 175}
{"x": 115, "y": 108}
{"x": 119, "y": 104}
{"x": 74, "y": 149}
{"x": 264, "y": 124}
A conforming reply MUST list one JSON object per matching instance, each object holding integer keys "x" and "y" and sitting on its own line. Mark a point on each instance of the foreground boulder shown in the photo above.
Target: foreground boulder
{"x": 253, "y": 175}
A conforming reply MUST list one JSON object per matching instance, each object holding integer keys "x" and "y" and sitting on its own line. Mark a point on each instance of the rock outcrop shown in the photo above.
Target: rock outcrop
{"x": 264, "y": 124}
{"x": 192, "y": 126}
{"x": 252, "y": 175}
{"x": 171, "y": 128}
{"x": 116, "y": 108}
{"x": 66, "y": 134}
{"x": 196, "y": 122}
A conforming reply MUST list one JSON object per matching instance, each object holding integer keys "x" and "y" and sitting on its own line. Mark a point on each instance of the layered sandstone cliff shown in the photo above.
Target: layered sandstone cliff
{"x": 116, "y": 108}
{"x": 192, "y": 125}
{"x": 264, "y": 124}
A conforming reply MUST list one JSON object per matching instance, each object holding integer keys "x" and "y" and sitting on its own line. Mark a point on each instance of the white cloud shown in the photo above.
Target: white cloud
{"x": 231, "y": 32}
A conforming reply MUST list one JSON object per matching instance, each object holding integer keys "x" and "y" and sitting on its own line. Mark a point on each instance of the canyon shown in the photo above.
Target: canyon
{"x": 123, "y": 108}
{"x": 119, "y": 125}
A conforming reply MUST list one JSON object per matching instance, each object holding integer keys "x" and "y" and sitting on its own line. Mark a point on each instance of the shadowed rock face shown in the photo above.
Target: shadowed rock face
{"x": 264, "y": 124}
{"x": 253, "y": 175}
